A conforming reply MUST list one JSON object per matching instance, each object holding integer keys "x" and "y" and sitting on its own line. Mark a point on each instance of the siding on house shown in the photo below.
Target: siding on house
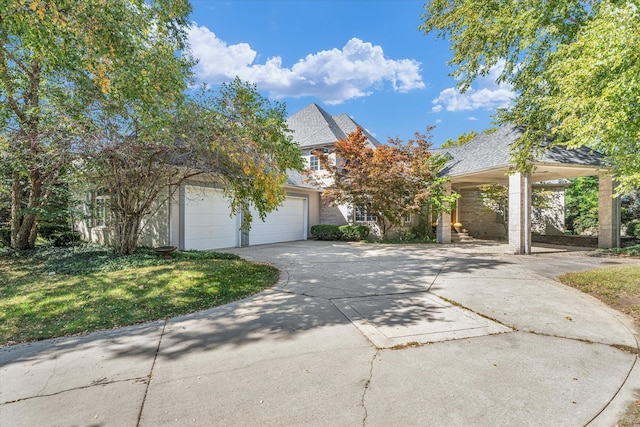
{"x": 155, "y": 228}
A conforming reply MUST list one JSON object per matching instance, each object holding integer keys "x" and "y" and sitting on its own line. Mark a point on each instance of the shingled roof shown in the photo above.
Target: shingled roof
{"x": 314, "y": 127}
{"x": 489, "y": 151}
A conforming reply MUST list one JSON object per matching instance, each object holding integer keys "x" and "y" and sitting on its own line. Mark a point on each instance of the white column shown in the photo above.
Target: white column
{"x": 443, "y": 232}
{"x": 520, "y": 213}
{"x": 608, "y": 213}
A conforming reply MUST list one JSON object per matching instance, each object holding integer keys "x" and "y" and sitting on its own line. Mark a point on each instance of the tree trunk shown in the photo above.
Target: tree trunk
{"x": 127, "y": 230}
{"x": 16, "y": 202}
{"x": 24, "y": 227}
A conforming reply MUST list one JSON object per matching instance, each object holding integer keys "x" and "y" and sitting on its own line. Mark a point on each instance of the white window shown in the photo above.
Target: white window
{"x": 101, "y": 210}
{"x": 407, "y": 218}
{"x": 314, "y": 162}
{"x": 361, "y": 214}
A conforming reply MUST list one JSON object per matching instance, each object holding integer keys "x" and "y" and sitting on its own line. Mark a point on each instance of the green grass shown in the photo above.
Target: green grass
{"x": 618, "y": 287}
{"x": 51, "y": 292}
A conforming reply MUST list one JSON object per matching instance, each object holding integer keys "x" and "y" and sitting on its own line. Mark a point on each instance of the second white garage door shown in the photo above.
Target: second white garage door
{"x": 286, "y": 224}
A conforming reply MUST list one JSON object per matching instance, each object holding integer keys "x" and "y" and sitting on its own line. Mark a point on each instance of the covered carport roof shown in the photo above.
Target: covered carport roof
{"x": 486, "y": 159}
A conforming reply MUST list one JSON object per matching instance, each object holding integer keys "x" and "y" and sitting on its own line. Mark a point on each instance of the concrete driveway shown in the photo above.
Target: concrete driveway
{"x": 353, "y": 335}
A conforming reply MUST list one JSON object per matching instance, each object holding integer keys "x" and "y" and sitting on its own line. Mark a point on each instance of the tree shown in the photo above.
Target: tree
{"x": 389, "y": 182}
{"x": 573, "y": 64}
{"x": 63, "y": 63}
{"x": 462, "y": 139}
{"x": 253, "y": 149}
{"x": 235, "y": 136}
{"x": 581, "y": 204}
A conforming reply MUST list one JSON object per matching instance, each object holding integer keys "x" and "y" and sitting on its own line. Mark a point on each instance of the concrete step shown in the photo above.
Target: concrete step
{"x": 461, "y": 237}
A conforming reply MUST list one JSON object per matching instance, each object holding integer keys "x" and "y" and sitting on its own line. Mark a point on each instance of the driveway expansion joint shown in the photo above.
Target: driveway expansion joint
{"x": 620, "y": 347}
{"x": 444, "y": 264}
{"x": 150, "y": 375}
{"x": 635, "y": 361}
{"x": 493, "y": 319}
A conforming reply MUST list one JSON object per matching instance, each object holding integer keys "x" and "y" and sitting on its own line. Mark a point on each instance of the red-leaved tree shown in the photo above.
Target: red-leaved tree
{"x": 390, "y": 181}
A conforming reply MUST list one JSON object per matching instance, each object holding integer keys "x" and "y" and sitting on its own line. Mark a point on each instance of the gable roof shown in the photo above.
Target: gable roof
{"x": 314, "y": 127}
{"x": 490, "y": 151}
{"x": 348, "y": 125}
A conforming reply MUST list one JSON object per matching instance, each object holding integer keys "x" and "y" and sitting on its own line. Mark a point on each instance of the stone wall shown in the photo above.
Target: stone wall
{"x": 333, "y": 215}
{"x": 484, "y": 223}
{"x": 584, "y": 241}
{"x": 550, "y": 220}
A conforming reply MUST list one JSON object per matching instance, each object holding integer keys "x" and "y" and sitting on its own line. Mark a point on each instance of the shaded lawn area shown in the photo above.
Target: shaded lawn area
{"x": 52, "y": 292}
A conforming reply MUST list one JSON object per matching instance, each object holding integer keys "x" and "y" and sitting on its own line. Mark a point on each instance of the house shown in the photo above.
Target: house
{"x": 315, "y": 129}
{"x": 197, "y": 216}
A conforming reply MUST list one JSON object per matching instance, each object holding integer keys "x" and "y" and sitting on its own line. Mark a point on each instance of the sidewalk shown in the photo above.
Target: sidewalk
{"x": 353, "y": 335}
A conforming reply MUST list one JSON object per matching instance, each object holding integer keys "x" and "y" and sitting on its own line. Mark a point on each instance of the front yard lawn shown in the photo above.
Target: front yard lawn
{"x": 618, "y": 287}
{"x": 52, "y": 292}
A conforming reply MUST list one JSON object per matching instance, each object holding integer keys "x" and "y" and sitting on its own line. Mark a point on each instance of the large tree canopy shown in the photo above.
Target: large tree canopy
{"x": 574, "y": 65}
{"x": 234, "y": 135}
{"x": 104, "y": 86}
{"x": 462, "y": 139}
{"x": 64, "y": 64}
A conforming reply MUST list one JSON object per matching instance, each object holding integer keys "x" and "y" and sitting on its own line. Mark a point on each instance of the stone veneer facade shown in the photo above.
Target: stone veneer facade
{"x": 484, "y": 223}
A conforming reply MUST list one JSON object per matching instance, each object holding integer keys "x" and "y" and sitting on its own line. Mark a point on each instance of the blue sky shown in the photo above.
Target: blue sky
{"x": 365, "y": 58}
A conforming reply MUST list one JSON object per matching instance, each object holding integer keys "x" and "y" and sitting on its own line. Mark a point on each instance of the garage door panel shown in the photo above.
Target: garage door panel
{"x": 207, "y": 223}
{"x": 288, "y": 223}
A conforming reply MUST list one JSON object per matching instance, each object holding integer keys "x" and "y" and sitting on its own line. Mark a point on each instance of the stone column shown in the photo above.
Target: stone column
{"x": 443, "y": 231}
{"x": 608, "y": 213}
{"x": 520, "y": 213}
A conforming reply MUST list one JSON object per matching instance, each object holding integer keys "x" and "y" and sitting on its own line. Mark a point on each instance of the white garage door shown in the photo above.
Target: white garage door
{"x": 207, "y": 224}
{"x": 286, "y": 224}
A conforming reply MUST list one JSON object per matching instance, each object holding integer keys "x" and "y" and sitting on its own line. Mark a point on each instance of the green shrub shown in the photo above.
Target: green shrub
{"x": 354, "y": 232}
{"x": 633, "y": 229}
{"x": 340, "y": 232}
{"x": 629, "y": 250}
{"x": 326, "y": 232}
{"x": 59, "y": 235}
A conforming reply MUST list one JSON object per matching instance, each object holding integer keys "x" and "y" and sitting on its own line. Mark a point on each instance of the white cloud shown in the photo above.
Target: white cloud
{"x": 472, "y": 118}
{"x": 490, "y": 95}
{"x": 333, "y": 76}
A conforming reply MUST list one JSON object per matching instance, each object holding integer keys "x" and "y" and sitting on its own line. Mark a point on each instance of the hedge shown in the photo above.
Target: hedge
{"x": 354, "y": 232}
{"x": 325, "y": 232}
{"x": 340, "y": 232}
